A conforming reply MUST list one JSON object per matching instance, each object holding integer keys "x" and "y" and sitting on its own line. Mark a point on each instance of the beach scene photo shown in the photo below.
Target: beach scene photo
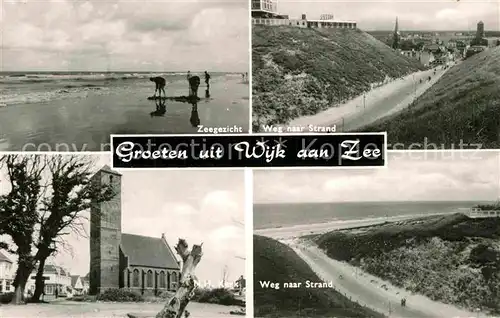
{"x": 100, "y": 244}
{"x": 84, "y": 70}
{"x": 418, "y": 239}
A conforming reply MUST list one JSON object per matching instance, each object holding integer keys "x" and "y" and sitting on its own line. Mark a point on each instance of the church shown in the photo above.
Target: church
{"x": 144, "y": 264}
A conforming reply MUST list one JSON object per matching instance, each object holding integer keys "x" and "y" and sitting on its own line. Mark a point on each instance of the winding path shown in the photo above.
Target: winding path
{"x": 371, "y": 291}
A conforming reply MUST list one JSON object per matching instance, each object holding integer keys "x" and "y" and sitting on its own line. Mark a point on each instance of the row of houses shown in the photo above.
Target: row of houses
{"x": 57, "y": 280}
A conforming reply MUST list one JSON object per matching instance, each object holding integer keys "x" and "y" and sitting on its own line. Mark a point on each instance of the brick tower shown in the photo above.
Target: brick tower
{"x": 105, "y": 235}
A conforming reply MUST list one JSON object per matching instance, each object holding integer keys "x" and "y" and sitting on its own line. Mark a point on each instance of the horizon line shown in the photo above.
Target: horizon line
{"x": 391, "y": 201}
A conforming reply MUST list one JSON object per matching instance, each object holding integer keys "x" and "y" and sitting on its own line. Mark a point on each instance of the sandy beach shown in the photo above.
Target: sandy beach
{"x": 295, "y": 231}
{"x": 84, "y": 121}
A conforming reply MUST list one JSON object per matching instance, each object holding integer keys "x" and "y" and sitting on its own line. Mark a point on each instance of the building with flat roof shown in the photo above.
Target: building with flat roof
{"x": 326, "y": 21}
{"x": 264, "y": 8}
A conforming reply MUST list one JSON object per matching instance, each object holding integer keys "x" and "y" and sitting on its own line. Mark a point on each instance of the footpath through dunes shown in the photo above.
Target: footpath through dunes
{"x": 300, "y": 72}
{"x": 450, "y": 259}
{"x": 275, "y": 262}
{"x": 462, "y": 108}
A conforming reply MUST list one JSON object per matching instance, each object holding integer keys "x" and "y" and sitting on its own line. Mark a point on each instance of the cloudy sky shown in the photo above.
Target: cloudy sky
{"x": 200, "y": 206}
{"x": 409, "y": 177}
{"x": 413, "y": 15}
{"x": 125, "y": 35}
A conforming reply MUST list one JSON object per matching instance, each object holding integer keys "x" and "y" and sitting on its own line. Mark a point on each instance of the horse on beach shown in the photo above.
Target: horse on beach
{"x": 160, "y": 85}
{"x": 194, "y": 83}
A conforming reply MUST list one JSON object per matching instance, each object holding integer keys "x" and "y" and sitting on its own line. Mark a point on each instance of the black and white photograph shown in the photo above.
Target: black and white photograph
{"x": 425, "y": 72}
{"x": 78, "y": 239}
{"x": 418, "y": 239}
{"x": 74, "y": 72}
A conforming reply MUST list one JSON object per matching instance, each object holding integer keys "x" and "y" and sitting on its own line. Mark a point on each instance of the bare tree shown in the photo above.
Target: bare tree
{"x": 48, "y": 195}
{"x": 73, "y": 192}
{"x": 176, "y": 305}
{"x": 18, "y": 213}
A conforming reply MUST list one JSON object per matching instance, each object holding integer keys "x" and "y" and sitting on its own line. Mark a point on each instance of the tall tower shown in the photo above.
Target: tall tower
{"x": 480, "y": 30}
{"x": 395, "y": 36}
{"x": 105, "y": 235}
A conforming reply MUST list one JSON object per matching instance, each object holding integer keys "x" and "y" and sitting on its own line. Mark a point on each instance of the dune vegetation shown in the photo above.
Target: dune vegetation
{"x": 299, "y": 72}
{"x": 276, "y": 262}
{"x": 460, "y": 110}
{"x": 452, "y": 259}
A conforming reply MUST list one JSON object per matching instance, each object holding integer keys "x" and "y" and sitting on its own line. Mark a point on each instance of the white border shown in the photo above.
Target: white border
{"x": 249, "y": 230}
{"x": 249, "y": 135}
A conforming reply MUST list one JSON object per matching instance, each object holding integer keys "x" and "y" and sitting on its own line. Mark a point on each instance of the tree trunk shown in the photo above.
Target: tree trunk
{"x": 24, "y": 268}
{"x": 176, "y": 306}
{"x": 39, "y": 281}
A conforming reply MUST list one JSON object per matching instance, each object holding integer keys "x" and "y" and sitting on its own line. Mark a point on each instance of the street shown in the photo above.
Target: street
{"x": 375, "y": 104}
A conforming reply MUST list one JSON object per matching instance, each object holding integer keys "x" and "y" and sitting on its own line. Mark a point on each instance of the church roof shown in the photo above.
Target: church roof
{"x": 148, "y": 251}
{"x": 4, "y": 258}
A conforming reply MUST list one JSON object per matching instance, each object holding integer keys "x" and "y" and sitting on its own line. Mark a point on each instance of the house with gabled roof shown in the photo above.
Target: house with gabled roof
{"x": 57, "y": 280}
{"x": 120, "y": 260}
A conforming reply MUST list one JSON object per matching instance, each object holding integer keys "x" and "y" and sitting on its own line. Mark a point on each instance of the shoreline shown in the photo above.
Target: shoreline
{"x": 84, "y": 124}
{"x": 300, "y": 230}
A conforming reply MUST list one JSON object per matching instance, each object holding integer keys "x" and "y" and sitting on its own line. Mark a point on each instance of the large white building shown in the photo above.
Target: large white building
{"x": 55, "y": 277}
{"x": 264, "y": 6}
{"x": 6, "y": 274}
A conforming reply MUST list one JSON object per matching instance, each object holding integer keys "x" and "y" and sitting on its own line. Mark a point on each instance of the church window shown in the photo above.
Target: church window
{"x": 162, "y": 279}
{"x": 149, "y": 279}
{"x": 135, "y": 281}
{"x": 174, "y": 279}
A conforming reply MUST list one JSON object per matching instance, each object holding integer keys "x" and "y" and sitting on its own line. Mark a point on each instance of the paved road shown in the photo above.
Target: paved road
{"x": 398, "y": 98}
{"x": 367, "y": 290}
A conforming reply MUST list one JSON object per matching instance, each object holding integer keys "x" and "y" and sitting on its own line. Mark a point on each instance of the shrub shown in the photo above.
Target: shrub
{"x": 83, "y": 298}
{"x": 120, "y": 295}
{"x": 6, "y": 298}
{"x": 219, "y": 296}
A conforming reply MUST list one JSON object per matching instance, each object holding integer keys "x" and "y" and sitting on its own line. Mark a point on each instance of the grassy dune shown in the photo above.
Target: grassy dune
{"x": 464, "y": 105}
{"x": 276, "y": 262}
{"x": 298, "y": 72}
{"x": 452, "y": 259}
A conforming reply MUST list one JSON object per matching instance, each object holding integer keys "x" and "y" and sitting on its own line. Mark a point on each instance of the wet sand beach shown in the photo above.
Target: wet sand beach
{"x": 84, "y": 122}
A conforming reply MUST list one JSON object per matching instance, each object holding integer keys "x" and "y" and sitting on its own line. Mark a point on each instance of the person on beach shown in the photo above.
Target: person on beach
{"x": 160, "y": 85}
{"x": 207, "y": 79}
{"x": 188, "y": 76}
